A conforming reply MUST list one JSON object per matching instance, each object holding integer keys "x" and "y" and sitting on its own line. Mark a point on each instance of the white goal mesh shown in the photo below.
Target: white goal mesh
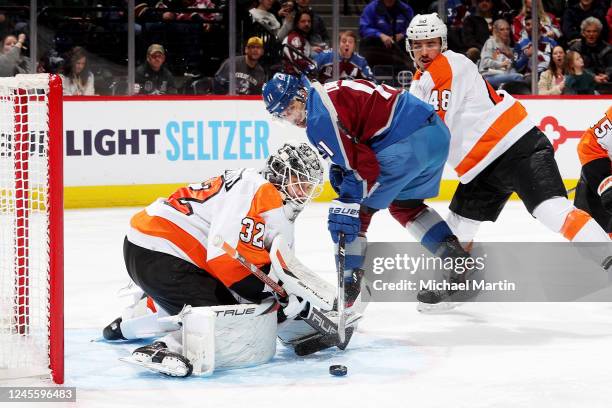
{"x": 30, "y": 199}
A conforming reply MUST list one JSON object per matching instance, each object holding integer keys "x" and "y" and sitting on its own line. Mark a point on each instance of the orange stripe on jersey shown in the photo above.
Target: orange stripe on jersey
{"x": 227, "y": 269}
{"x": 442, "y": 76}
{"x": 589, "y": 148}
{"x": 417, "y": 75}
{"x": 266, "y": 198}
{"x": 162, "y": 228}
{"x": 495, "y": 98}
{"x": 574, "y": 222}
{"x": 496, "y": 132}
{"x": 151, "y": 304}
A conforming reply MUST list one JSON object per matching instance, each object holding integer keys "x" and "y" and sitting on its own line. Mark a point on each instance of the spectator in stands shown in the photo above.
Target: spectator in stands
{"x": 578, "y": 80}
{"x": 206, "y": 18}
{"x": 12, "y": 62}
{"x": 350, "y": 63}
{"x": 477, "y": 28}
{"x": 250, "y": 76}
{"x": 595, "y": 51}
{"x": 496, "y": 58}
{"x": 318, "y": 35}
{"x": 297, "y": 53}
{"x": 382, "y": 27}
{"x": 260, "y": 22}
{"x": 575, "y": 15}
{"x": 552, "y": 81}
{"x": 262, "y": 16}
{"x": 152, "y": 77}
{"x": 524, "y": 50}
{"x": 549, "y": 24}
{"x": 77, "y": 78}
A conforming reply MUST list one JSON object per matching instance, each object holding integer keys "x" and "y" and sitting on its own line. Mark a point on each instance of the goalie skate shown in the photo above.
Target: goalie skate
{"x": 156, "y": 357}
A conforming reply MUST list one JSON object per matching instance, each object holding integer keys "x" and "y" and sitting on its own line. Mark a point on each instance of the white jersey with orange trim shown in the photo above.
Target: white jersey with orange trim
{"x": 596, "y": 141}
{"x": 241, "y": 206}
{"x": 483, "y": 124}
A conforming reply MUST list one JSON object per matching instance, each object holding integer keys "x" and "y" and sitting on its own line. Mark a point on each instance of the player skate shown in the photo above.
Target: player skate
{"x": 436, "y": 301}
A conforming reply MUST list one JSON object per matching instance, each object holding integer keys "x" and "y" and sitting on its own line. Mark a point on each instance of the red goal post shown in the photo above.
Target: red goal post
{"x": 31, "y": 227}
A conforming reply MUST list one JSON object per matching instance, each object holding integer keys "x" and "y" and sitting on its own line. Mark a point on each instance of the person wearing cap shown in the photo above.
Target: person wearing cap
{"x": 250, "y": 75}
{"x": 152, "y": 77}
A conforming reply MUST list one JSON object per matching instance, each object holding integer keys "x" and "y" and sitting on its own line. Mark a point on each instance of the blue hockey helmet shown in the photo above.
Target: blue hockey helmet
{"x": 279, "y": 91}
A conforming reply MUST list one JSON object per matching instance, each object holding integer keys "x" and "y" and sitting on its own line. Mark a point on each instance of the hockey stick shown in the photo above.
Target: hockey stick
{"x": 311, "y": 69}
{"x": 315, "y": 319}
{"x": 231, "y": 251}
{"x": 340, "y": 302}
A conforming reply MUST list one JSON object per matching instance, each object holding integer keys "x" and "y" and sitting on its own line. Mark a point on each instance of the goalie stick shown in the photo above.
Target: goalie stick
{"x": 315, "y": 319}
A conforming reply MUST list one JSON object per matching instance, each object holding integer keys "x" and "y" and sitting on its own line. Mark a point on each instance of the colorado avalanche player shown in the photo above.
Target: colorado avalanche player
{"x": 388, "y": 150}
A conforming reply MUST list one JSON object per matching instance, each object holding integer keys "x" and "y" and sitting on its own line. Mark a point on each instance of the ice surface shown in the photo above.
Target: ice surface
{"x": 479, "y": 355}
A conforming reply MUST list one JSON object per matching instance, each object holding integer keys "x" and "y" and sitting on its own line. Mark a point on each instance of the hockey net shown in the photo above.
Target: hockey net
{"x": 31, "y": 227}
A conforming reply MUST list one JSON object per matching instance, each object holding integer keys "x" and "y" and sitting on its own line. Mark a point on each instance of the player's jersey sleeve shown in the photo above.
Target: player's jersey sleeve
{"x": 329, "y": 136}
{"x": 596, "y": 141}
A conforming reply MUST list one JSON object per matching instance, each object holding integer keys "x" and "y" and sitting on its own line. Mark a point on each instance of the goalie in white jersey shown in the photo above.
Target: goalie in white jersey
{"x": 187, "y": 280}
{"x": 495, "y": 149}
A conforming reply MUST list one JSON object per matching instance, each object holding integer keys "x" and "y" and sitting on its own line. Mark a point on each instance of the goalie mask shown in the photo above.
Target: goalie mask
{"x": 296, "y": 171}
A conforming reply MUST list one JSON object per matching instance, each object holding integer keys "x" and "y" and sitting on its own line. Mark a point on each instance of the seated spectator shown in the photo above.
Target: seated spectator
{"x": 296, "y": 60}
{"x": 152, "y": 77}
{"x": 578, "y": 81}
{"x": 12, "y": 62}
{"x": 77, "y": 78}
{"x": 382, "y": 27}
{"x": 351, "y": 64}
{"x": 318, "y": 35}
{"x": 595, "y": 51}
{"x": 575, "y": 15}
{"x": 496, "y": 57}
{"x": 477, "y": 27}
{"x": 250, "y": 76}
{"x": 549, "y": 24}
{"x": 552, "y": 81}
{"x": 524, "y": 50}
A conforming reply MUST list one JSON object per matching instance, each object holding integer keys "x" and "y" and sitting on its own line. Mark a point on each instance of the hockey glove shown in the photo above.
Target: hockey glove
{"x": 605, "y": 192}
{"x": 343, "y": 217}
{"x": 336, "y": 176}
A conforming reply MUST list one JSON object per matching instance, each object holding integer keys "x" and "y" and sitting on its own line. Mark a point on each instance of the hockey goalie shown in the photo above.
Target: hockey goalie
{"x": 206, "y": 308}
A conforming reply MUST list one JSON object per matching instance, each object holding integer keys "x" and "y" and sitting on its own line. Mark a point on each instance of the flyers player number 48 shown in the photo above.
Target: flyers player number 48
{"x": 495, "y": 148}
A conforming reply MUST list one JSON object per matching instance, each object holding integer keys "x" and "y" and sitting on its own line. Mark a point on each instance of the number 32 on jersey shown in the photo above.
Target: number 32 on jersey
{"x": 440, "y": 99}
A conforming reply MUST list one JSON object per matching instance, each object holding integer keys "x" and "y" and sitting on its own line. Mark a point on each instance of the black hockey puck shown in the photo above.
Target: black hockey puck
{"x": 338, "y": 370}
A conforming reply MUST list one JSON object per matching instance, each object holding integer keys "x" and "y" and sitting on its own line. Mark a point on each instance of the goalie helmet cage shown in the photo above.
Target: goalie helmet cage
{"x": 31, "y": 227}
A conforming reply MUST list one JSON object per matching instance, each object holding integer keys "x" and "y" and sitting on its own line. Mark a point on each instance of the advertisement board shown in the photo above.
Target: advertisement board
{"x": 128, "y": 151}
